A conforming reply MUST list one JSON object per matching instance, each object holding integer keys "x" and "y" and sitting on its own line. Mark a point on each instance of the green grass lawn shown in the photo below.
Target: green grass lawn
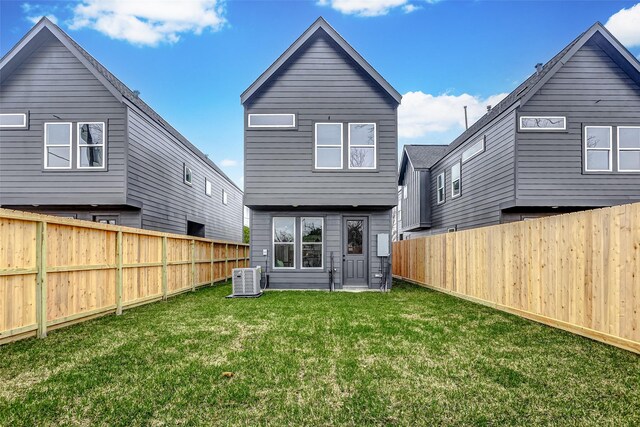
{"x": 409, "y": 357}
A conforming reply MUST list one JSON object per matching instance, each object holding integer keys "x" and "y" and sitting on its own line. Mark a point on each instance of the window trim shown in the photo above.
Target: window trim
{"x": 375, "y": 146}
{"x": 250, "y": 126}
{"x": 70, "y": 146}
{"x": 453, "y": 195}
{"x": 25, "y": 121}
{"x": 225, "y": 197}
{"x": 315, "y": 145}
{"x": 302, "y": 267}
{"x": 184, "y": 174}
{"x": 483, "y": 140}
{"x": 547, "y": 129}
{"x": 208, "y": 187}
{"x": 103, "y": 145}
{"x": 586, "y": 149}
{"x": 438, "y": 188}
{"x": 405, "y": 194}
{"x": 625, "y": 149}
{"x": 273, "y": 243}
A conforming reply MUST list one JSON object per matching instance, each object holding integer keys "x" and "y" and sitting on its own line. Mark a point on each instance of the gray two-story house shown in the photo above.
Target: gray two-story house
{"x": 566, "y": 139}
{"x": 321, "y": 166}
{"x": 76, "y": 142}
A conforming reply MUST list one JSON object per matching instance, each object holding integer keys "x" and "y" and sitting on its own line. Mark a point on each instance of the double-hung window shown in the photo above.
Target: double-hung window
{"x": 629, "y": 148}
{"x": 328, "y": 145}
{"x": 91, "y": 145}
{"x": 440, "y": 188}
{"x": 598, "y": 148}
{"x": 284, "y": 246}
{"x": 57, "y": 145}
{"x": 312, "y": 230}
{"x": 362, "y": 145}
{"x": 455, "y": 180}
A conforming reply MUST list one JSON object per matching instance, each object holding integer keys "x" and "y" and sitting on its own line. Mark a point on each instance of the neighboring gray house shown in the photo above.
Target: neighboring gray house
{"x": 320, "y": 165}
{"x": 566, "y": 139}
{"x": 76, "y": 142}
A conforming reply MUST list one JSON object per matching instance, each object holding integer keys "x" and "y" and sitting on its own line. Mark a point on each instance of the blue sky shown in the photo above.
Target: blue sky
{"x": 191, "y": 62}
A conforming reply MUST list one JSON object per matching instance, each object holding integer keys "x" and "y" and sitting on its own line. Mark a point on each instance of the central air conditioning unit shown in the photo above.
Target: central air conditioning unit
{"x": 246, "y": 282}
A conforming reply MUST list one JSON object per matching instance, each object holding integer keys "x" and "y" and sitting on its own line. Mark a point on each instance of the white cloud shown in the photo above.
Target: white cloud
{"x": 35, "y": 12}
{"x": 229, "y": 163}
{"x": 422, "y": 113}
{"x": 625, "y": 25}
{"x": 369, "y": 7}
{"x": 148, "y": 22}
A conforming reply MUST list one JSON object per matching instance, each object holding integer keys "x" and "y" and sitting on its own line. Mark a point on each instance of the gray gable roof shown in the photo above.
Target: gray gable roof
{"x": 530, "y": 87}
{"x": 421, "y": 157}
{"x": 119, "y": 89}
{"x": 320, "y": 25}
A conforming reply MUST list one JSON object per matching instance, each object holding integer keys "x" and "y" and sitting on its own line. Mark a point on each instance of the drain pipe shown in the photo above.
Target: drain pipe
{"x": 332, "y": 284}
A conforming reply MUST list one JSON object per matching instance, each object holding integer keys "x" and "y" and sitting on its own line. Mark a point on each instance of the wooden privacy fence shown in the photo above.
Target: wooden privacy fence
{"x": 579, "y": 272}
{"x": 56, "y": 271}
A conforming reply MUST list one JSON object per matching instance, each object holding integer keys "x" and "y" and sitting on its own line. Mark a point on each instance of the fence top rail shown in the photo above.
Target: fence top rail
{"x": 50, "y": 219}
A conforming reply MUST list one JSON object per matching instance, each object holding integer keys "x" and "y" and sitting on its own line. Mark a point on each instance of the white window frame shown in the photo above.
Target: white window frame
{"x": 273, "y": 243}
{"x": 525, "y": 129}
{"x": 375, "y": 146}
{"x": 316, "y": 146}
{"x": 586, "y": 149}
{"x": 454, "y": 195}
{"x": 404, "y": 191}
{"x": 225, "y": 197}
{"x": 103, "y": 145}
{"x": 482, "y": 142}
{"x": 22, "y": 126}
{"x": 208, "y": 187}
{"x": 302, "y": 267}
{"x": 443, "y": 188}
{"x": 70, "y": 146}
{"x": 625, "y": 149}
{"x": 184, "y": 174}
{"x": 293, "y": 116}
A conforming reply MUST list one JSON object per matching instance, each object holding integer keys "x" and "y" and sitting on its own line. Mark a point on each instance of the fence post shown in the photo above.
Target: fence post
{"x": 164, "y": 268}
{"x": 213, "y": 247}
{"x": 237, "y": 258}
{"x": 193, "y": 265}
{"x": 41, "y": 278}
{"x": 119, "y": 257}
{"x": 226, "y": 261}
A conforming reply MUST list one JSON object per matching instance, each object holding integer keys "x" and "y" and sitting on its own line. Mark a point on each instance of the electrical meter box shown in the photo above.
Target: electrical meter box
{"x": 383, "y": 244}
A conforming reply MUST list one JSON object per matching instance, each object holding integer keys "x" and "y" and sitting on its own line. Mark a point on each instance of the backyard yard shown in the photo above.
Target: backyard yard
{"x": 409, "y": 357}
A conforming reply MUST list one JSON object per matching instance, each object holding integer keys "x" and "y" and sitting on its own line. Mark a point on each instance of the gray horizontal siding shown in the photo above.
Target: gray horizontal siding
{"x": 155, "y": 178}
{"x": 412, "y": 205}
{"x": 319, "y": 82}
{"x": 125, "y": 216}
{"x": 51, "y": 81}
{"x": 589, "y": 89}
{"x": 487, "y": 180}
{"x": 261, "y": 238}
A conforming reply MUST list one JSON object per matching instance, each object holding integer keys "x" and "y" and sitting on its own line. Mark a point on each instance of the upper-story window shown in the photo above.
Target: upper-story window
{"x": 440, "y": 194}
{"x": 272, "y": 120}
{"x": 13, "y": 120}
{"x": 57, "y": 145}
{"x": 91, "y": 145}
{"x": 542, "y": 123}
{"x": 362, "y": 145}
{"x": 473, "y": 150}
{"x": 404, "y": 191}
{"x": 207, "y": 187}
{"x": 629, "y": 148}
{"x": 225, "y": 198}
{"x": 187, "y": 174}
{"x": 328, "y": 145}
{"x": 455, "y": 180}
{"x": 598, "y": 148}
